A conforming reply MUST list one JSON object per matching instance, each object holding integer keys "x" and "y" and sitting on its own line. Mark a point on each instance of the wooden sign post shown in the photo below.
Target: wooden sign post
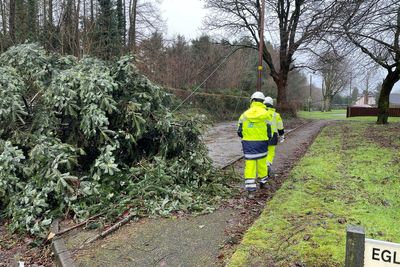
{"x": 365, "y": 252}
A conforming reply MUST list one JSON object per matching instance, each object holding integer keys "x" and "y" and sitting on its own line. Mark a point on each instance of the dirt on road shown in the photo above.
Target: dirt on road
{"x": 15, "y": 248}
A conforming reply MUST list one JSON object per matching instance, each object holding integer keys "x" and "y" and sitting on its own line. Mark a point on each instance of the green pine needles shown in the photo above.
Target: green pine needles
{"x": 81, "y": 137}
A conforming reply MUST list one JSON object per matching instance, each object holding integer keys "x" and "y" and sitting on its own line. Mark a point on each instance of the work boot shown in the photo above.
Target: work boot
{"x": 251, "y": 194}
{"x": 269, "y": 170}
{"x": 263, "y": 182}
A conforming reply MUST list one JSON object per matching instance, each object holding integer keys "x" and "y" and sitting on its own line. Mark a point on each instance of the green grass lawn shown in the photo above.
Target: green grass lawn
{"x": 350, "y": 175}
{"x": 339, "y": 114}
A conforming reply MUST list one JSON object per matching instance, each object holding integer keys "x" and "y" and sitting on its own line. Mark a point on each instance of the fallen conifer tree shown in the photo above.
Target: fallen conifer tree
{"x": 78, "y": 137}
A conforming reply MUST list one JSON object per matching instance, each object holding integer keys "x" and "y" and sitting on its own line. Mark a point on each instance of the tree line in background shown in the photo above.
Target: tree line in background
{"x": 110, "y": 28}
{"x": 104, "y": 28}
{"x": 178, "y": 63}
{"x": 329, "y": 31}
{"x": 368, "y": 27}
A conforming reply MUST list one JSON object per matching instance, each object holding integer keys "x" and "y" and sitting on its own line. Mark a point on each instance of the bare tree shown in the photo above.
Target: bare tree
{"x": 298, "y": 88}
{"x": 91, "y": 11}
{"x": 335, "y": 73}
{"x": 368, "y": 75}
{"x": 145, "y": 19}
{"x": 132, "y": 20}
{"x": 373, "y": 26}
{"x": 296, "y": 23}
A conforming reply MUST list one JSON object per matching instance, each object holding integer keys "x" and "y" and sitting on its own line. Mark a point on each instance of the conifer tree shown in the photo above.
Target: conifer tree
{"x": 107, "y": 38}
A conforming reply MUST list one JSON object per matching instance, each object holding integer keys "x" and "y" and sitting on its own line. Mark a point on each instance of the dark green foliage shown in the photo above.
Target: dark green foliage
{"x": 107, "y": 35}
{"x": 32, "y": 19}
{"x": 121, "y": 20}
{"x": 11, "y": 104}
{"x": 80, "y": 137}
{"x": 21, "y": 25}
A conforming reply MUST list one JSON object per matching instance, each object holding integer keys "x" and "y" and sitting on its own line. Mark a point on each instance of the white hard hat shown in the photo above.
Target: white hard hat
{"x": 269, "y": 100}
{"x": 257, "y": 95}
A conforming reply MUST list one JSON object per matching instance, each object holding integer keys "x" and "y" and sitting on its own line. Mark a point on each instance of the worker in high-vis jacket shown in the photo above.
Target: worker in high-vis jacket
{"x": 255, "y": 131}
{"x": 277, "y": 129}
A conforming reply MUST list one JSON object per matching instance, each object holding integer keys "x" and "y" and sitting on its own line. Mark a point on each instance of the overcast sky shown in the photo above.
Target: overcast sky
{"x": 183, "y": 17}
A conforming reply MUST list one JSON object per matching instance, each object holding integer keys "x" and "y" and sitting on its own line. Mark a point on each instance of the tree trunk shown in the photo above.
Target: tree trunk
{"x": 77, "y": 43}
{"x": 120, "y": 23}
{"x": 11, "y": 20}
{"x": 84, "y": 17}
{"x": 50, "y": 11}
{"x": 91, "y": 12}
{"x": 68, "y": 29}
{"x": 283, "y": 105}
{"x": 49, "y": 32}
{"x": 44, "y": 20}
{"x": 383, "y": 102}
{"x": 282, "y": 85}
{"x": 124, "y": 23}
{"x": 281, "y": 77}
{"x": 328, "y": 106}
{"x": 3, "y": 18}
{"x": 132, "y": 25}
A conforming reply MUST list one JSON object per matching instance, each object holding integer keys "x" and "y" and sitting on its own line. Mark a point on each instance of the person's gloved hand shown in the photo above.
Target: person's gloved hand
{"x": 282, "y": 138}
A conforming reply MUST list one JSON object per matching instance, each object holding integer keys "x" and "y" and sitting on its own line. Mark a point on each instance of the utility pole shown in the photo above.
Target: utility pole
{"x": 310, "y": 97}
{"x": 260, "y": 51}
{"x": 323, "y": 94}
{"x": 366, "y": 93}
{"x": 351, "y": 80}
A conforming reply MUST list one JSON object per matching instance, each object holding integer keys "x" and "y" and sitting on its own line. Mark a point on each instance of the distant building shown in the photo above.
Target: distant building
{"x": 370, "y": 101}
{"x": 394, "y": 100}
{"x": 365, "y": 101}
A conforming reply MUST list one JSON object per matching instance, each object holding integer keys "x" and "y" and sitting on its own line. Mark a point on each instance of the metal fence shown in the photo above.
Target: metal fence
{"x": 366, "y": 111}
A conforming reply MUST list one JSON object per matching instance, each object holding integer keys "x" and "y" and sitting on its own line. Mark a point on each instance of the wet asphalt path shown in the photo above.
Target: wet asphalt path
{"x": 190, "y": 240}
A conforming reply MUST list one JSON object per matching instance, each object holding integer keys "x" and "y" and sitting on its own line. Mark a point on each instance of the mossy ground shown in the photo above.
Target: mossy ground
{"x": 349, "y": 176}
{"x": 339, "y": 114}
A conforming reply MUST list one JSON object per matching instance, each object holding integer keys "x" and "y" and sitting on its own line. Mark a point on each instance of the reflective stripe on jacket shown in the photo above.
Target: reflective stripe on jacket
{"x": 276, "y": 125}
{"x": 255, "y": 130}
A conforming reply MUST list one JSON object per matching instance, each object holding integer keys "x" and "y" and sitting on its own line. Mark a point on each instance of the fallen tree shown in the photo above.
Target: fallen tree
{"x": 81, "y": 137}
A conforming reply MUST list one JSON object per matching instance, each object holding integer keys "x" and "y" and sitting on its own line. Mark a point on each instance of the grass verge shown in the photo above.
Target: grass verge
{"x": 350, "y": 175}
{"x": 339, "y": 114}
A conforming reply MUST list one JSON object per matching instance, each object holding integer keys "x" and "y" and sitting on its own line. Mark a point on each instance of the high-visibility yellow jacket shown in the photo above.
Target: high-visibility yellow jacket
{"x": 276, "y": 125}
{"x": 255, "y": 130}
